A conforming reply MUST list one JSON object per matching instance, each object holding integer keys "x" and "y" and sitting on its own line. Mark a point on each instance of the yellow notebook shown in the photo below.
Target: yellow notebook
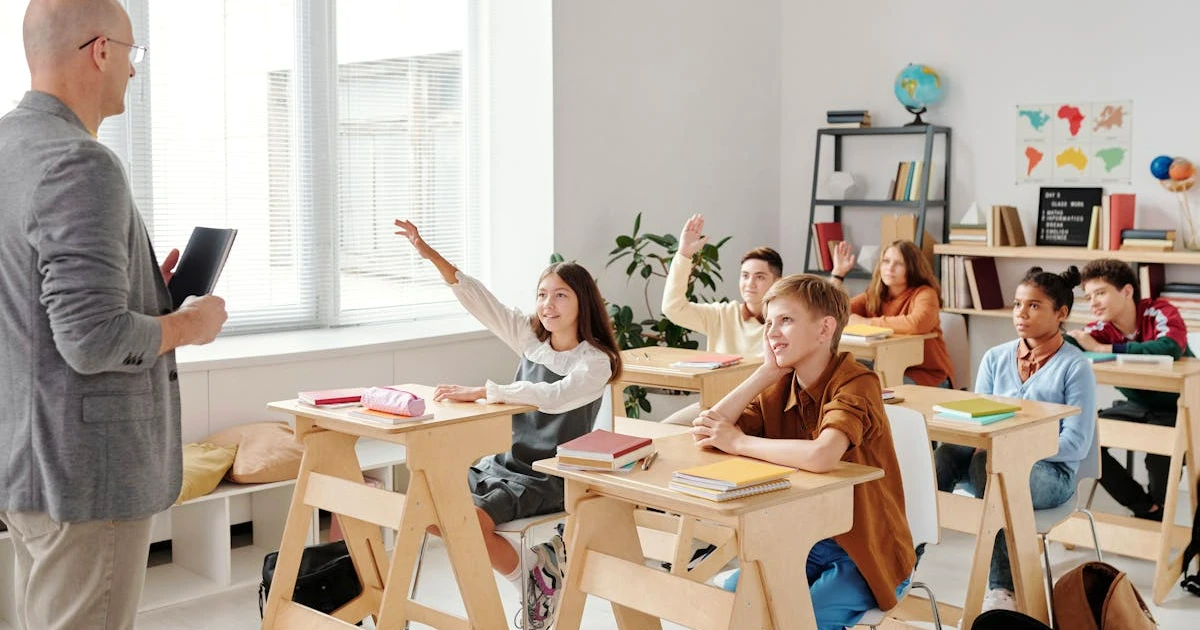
{"x": 867, "y": 332}
{"x": 975, "y": 407}
{"x": 732, "y": 473}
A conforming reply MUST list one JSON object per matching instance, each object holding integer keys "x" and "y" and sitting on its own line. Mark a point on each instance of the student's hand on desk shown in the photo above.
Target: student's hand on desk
{"x": 692, "y": 238}
{"x": 1085, "y": 340}
{"x": 714, "y": 431}
{"x": 168, "y": 266}
{"x": 843, "y": 259}
{"x": 458, "y": 393}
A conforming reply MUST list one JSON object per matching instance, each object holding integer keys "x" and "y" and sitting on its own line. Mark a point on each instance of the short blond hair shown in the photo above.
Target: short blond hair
{"x": 818, "y": 295}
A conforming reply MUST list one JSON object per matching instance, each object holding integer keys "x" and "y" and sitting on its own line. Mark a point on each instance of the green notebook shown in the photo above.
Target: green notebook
{"x": 975, "y": 407}
{"x": 996, "y": 417}
{"x": 1100, "y": 357}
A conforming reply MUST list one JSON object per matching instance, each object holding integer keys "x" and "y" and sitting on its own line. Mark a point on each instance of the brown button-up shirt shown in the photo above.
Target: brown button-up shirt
{"x": 848, "y": 397}
{"x": 1031, "y": 358}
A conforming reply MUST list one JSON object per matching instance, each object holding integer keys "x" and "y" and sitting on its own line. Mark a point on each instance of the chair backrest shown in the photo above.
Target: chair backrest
{"x": 915, "y": 456}
{"x": 1089, "y": 468}
{"x": 604, "y": 417}
{"x": 954, "y": 333}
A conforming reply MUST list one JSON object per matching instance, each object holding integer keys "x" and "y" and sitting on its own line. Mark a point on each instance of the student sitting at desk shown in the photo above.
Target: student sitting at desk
{"x": 568, "y": 357}
{"x": 903, "y": 295}
{"x": 810, "y": 407}
{"x": 1129, "y": 324}
{"x": 731, "y": 327}
{"x": 1039, "y": 365}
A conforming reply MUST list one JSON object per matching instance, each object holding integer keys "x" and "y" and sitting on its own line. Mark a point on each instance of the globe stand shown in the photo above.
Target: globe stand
{"x": 917, "y": 122}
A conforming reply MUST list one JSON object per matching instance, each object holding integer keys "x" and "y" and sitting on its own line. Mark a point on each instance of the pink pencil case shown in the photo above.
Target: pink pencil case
{"x": 392, "y": 400}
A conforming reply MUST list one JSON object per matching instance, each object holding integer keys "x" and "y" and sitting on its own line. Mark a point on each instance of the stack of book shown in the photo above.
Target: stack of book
{"x": 603, "y": 450}
{"x": 968, "y": 234}
{"x": 864, "y": 332}
{"x": 890, "y": 397}
{"x": 332, "y": 398}
{"x": 709, "y": 361}
{"x": 1004, "y": 227}
{"x": 1148, "y": 240}
{"x": 907, "y": 185}
{"x": 731, "y": 478}
{"x": 976, "y": 410}
{"x": 826, "y": 235}
{"x": 853, "y": 118}
{"x": 1184, "y": 296}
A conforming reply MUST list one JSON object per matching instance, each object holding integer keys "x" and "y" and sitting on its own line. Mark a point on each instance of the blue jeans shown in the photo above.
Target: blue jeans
{"x": 840, "y": 595}
{"x": 1050, "y": 484}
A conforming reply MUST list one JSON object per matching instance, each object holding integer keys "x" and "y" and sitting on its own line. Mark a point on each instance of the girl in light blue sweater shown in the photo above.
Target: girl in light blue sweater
{"x": 1037, "y": 366}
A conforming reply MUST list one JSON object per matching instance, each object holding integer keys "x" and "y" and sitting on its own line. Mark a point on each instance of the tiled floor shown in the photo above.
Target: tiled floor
{"x": 944, "y": 568}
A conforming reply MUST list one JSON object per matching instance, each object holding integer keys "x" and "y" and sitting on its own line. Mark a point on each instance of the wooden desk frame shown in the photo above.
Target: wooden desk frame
{"x": 1013, "y": 447}
{"x": 439, "y": 452}
{"x": 773, "y": 533}
{"x": 1161, "y": 542}
{"x": 891, "y": 356}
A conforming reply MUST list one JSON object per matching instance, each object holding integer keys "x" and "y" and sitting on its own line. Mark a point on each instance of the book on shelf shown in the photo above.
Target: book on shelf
{"x": 1099, "y": 357}
{"x": 1168, "y": 235}
{"x": 1148, "y": 244}
{"x": 826, "y": 236}
{"x": 602, "y": 445}
{"x": 975, "y": 407}
{"x": 329, "y": 397}
{"x": 1094, "y": 228}
{"x": 1151, "y": 278}
{"x": 383, "y": 417}
{"x": 1182, "y": 287}
{"x": 847, "y": 112}
{"x": 708, "y": 361}
{"x": 984, "y": 282}
{"x": 1121, "y": 207}
{"x": 866, "y": 124}
{"x": 914, "y": 191}
{"x": 866, "y": 332}
{"x": 725, "y": 495}
{"x": 732, "y": 473}
{"x": 982, "y": 420}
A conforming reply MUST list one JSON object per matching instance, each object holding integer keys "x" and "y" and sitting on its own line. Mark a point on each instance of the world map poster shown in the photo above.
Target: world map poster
{"x": 1074, "y": 143}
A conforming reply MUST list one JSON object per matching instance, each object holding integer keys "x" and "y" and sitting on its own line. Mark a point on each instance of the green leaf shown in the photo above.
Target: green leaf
{"x": 644, "y": 404}
{"x": 659, "y": 239}
{"x": 646, "y": 271}
{"x": 723, "y": 241}
{"x": 631, "y": 268}
{"x": 624, "y": 241}
{"x": 555, "y": 258}
{"x": 637, "y": 223}
{"x": 617, "y": 257}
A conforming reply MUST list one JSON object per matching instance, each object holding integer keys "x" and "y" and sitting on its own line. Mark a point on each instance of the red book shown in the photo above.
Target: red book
{"x": 601, "y": 444}
{"x": 1120, "y": 217}
{"x": 984, "y": 282}
{"x": 825, "y": 234}
{"x": 708, "y": 360}
{"x": 331, "y": 396}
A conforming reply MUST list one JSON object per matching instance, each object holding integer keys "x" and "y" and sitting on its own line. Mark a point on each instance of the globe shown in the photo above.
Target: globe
{"x": 917, "y": 87}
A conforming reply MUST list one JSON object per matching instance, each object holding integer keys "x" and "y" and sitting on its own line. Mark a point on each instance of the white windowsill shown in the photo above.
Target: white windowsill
{"x": 298, "y": 345}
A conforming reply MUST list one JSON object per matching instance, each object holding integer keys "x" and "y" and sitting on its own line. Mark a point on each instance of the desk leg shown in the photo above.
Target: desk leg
{"x": 775, "y": 543}
{"x": 607, "y": 526}
{"x": 1010, "y": 461}
{"x": 1166, "y": 568}
{"x": 333, "y": 454}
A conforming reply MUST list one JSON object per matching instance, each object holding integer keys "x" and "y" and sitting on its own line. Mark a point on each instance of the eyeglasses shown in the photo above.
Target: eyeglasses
{"x": 136, "y": 53}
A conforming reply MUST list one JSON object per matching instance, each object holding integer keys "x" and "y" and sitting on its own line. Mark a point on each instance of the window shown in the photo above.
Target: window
{"x": 308, "y": 125}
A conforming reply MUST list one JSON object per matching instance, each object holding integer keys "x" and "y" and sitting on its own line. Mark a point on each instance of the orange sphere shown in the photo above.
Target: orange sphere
{"x": 1181, "y": 169}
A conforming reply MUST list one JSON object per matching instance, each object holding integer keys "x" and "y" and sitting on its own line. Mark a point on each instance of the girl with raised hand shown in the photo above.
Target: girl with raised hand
{"x": 568, "y": 357}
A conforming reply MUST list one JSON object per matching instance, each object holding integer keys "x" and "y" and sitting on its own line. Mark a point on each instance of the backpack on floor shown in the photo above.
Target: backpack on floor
{"x": 327, "y": 579}
{"x": 1098, "y": 596}
{"x": 1191, "y": 583}
{"x": 1007, "y": 620}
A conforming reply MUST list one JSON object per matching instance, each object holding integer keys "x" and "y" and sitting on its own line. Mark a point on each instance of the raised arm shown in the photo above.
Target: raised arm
{"x": 409, "y": 231}
{"x": 675, "y": 305}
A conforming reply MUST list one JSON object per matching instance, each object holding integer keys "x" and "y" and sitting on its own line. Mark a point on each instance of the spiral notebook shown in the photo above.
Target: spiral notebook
{"x": 725, "y": 495}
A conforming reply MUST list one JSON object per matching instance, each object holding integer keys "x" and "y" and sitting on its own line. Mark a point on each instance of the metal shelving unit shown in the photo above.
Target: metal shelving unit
{"x": 919, "y": 206}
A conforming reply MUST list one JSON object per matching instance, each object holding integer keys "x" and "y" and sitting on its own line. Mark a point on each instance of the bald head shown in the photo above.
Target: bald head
{"x": 54, "y": 29}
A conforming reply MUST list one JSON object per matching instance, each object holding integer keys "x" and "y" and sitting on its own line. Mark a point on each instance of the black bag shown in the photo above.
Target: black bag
{"x": 1191, "y": 583}
{"x": 326, "y": 581}
{"x": 1006, "y": 620}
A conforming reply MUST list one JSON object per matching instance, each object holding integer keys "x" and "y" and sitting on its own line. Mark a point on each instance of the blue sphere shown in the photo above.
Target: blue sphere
{"x": 1160, "y": 167}
{"x": 917, "y": 87}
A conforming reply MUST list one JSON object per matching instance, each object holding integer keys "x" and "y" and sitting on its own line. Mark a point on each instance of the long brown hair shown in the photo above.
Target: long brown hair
{"x": 593, "y": 324}
{"x": 917, "y": 273}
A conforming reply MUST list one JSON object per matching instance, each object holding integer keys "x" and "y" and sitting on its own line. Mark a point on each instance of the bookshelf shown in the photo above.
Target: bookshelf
{"x": 919, "y": 206}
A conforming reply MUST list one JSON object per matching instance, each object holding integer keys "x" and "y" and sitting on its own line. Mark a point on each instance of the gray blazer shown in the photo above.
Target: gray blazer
{"x": 91, "y": 427}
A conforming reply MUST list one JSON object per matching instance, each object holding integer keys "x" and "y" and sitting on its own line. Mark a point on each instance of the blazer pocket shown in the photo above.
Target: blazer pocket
{"x": 105, "y": 408}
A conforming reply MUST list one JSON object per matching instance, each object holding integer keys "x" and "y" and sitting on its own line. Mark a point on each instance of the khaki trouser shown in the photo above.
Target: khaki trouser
{"x": 71, "y": 576}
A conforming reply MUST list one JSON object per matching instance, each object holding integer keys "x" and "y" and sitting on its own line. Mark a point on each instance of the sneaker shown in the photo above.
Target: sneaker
{"x": 999, "y": 599}
{"x": 543, "y": 588}
{"x": 727, "y": 580}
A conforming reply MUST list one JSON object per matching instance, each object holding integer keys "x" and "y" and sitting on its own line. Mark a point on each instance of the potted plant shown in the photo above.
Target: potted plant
{"x": 649, "y": 256}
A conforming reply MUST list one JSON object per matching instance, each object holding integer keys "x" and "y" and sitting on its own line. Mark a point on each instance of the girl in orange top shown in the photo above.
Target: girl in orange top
{"x": 904, "y": 295}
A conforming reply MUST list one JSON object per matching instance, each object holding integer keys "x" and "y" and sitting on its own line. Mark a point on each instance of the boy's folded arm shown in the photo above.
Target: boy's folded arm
{"x": 819, "y": 455}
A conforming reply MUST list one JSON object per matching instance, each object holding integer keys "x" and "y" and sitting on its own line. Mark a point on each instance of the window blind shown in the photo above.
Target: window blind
{"x": 308, "y": 125}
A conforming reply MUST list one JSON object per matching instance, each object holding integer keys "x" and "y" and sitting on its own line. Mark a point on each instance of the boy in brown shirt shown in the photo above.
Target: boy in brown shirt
{"x": 809, "y": 407}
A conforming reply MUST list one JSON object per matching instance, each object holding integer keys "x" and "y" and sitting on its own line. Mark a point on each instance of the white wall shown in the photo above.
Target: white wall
{"x": 991, "y": 56}
{"x": 667, "y": 108}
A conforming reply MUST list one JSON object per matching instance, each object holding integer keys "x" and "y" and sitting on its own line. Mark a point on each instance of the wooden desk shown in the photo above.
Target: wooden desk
{"x": 891, "y": 356}
{"x": 439, "y": 452}
{"x": 774, "y": 533}
{"x": 1013, "y": 446}
{"x": 1136, "y": 537}
{"x": 651, "y": 367}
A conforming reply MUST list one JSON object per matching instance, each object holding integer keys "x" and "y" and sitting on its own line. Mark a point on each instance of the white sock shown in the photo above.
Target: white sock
{"x": 516, "y": 577}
